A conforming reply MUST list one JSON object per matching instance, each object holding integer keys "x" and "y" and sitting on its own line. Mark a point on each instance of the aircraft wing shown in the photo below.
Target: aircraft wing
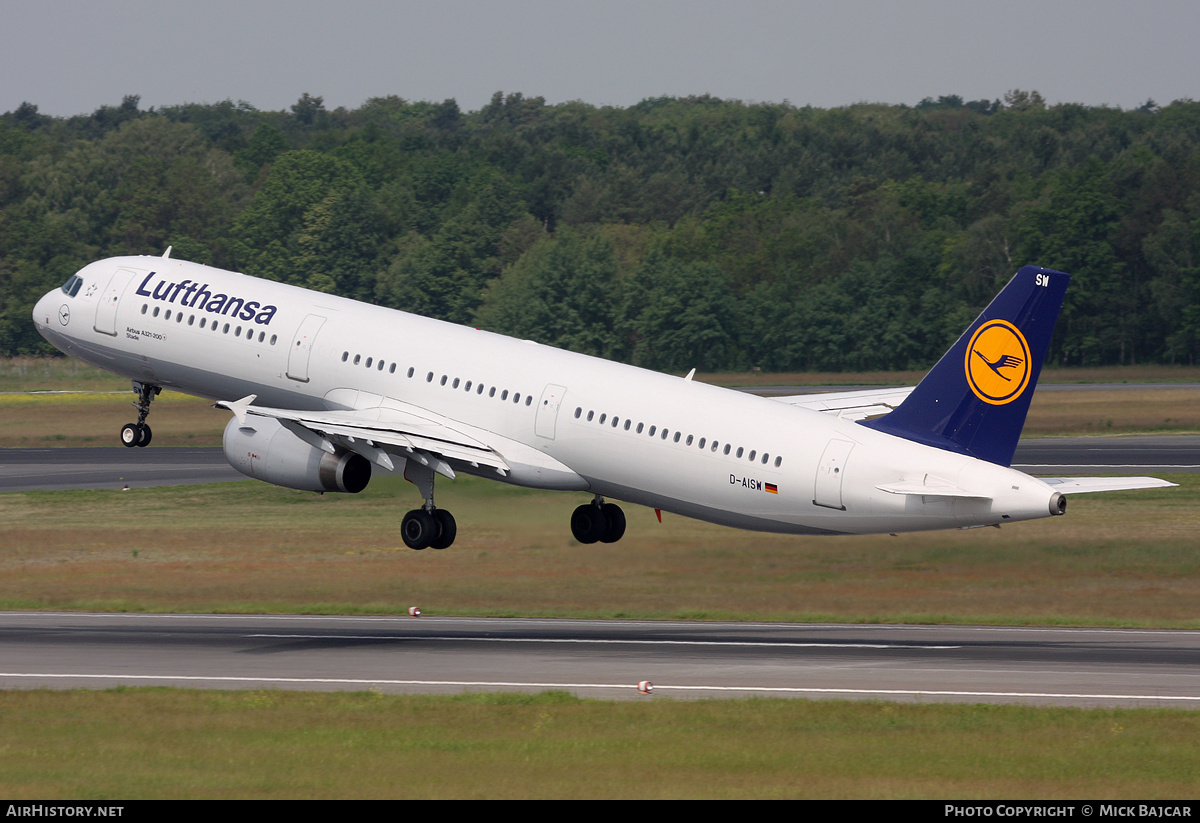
{"x": 377, "y": 432}
{"x": 1081, "y": 485}
{"x": 851, "y": 405}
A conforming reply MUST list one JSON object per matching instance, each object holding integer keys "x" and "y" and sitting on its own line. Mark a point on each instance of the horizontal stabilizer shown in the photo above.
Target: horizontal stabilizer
{"x": 851, "y": 405}
{"x": 930, "y": 487}
{"x": 1082, "y": 485}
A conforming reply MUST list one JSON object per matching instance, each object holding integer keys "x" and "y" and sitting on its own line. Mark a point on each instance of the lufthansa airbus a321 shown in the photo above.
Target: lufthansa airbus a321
{"x": 324, "y": 389}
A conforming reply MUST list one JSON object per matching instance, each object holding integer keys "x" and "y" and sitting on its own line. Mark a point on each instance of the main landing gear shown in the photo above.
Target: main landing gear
{"x": 427, "y": 526}
{"x": 139, "y": 434}
{"x": 598, "y": 521}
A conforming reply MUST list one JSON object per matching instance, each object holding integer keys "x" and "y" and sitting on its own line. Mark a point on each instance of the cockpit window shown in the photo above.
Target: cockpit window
{"x": 72, "y": 286}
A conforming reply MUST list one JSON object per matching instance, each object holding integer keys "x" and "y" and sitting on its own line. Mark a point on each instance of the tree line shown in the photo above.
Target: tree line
{"x": 674, "y": 233}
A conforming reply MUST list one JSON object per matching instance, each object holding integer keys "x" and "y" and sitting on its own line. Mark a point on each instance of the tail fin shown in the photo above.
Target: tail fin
{"x": 975, "y": 399}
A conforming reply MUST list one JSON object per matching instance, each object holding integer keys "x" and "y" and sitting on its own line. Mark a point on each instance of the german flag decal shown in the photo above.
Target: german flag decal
{"x": 772, "y": 488}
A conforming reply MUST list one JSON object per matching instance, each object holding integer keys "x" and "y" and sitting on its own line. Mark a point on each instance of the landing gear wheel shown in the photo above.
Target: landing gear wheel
{"x": 588, "y": 523}
{"x": 131, "y": 435}
{"x": 614, "y": 528}
{"x": 447, "y": 529}
{"x": 146, "y": 434}
{"x": 418, "y": 529}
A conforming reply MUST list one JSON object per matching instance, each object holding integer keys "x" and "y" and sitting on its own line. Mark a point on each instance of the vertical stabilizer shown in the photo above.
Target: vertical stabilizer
{"x": 975, "y": 399}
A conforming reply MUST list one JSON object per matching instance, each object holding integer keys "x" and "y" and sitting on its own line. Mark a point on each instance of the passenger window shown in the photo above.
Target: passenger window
{"x": 578, "y": 411}
{"x": 778, "y": 460}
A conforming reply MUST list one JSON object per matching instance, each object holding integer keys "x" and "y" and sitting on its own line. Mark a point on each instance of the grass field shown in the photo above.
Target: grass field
{"x": 174, "y": 743}
{"x": 1121, "y": 558}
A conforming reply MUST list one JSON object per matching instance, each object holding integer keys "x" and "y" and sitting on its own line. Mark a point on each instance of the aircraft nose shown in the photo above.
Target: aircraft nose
{"x": 50, "y": 313}
{"x": 42, "y": 311}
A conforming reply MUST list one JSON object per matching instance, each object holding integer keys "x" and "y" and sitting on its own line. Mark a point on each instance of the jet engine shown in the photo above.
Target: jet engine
{"x": 263, "y": 449}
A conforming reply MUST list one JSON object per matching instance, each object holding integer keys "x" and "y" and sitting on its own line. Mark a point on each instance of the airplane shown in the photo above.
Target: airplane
{"x": 324, "y": 389}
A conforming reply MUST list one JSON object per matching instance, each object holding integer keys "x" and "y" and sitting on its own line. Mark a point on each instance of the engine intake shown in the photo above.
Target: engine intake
{"x": 263, "y": 449}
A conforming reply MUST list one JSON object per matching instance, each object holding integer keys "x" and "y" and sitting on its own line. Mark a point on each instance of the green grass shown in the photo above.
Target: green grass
{"x": 175, "y": 743}
{"x": 1116, "y": 559}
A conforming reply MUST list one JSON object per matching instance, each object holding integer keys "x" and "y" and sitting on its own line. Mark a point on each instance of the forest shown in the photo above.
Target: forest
{"x": 675, "y": 233}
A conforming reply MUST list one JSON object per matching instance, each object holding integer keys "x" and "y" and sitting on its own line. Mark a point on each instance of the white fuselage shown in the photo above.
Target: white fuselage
{"x": 727, "y": 457}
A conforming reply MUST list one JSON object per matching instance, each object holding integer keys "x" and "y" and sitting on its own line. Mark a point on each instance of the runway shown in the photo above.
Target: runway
{"x": 117, "y": 467}
{"x": 604, "y": 659}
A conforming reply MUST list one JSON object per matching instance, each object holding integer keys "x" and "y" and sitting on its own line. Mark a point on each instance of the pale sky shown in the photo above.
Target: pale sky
{"x": 70, "y": 57}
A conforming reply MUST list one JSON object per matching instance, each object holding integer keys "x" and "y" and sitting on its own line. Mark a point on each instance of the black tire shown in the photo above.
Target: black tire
{"x": 418, "y": 529}
{"x": 146, "y": 434}
{"x": 447, "y": 529}
{"x": 588, "y": 523}
{"x": 614, "y": 528}
{"x": 130, "y": 435}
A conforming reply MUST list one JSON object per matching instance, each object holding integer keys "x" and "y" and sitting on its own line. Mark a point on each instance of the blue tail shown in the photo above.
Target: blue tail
{"x": 975, "y": 399}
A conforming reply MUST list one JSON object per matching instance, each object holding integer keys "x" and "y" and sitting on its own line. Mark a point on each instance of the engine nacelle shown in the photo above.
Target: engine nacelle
{"x": 263, "y": 449}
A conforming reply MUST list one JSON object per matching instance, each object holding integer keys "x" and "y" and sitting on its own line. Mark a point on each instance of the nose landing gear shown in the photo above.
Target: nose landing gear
{"x": 139, "y": 434}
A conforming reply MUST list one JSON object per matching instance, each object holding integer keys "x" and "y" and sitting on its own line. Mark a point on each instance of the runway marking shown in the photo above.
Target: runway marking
{"x": 474, "y": 639}
{"x": 658, "y": 687}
